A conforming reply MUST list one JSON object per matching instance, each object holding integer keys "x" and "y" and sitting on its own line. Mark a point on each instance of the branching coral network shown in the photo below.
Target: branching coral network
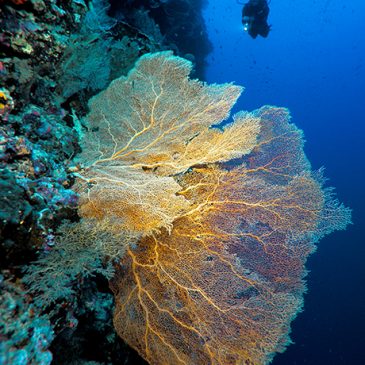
{"x": 218, "y": 220}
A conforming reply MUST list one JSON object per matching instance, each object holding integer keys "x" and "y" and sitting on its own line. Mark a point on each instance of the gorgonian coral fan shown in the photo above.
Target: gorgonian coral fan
{"x": 223, "y": 219}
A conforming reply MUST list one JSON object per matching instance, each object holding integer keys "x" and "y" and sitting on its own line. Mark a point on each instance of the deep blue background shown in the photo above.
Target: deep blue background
{"x": 313, "y": 62}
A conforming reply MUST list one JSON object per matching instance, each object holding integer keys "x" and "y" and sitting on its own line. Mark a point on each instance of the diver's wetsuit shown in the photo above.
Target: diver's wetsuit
{"x": 254, "y": 18}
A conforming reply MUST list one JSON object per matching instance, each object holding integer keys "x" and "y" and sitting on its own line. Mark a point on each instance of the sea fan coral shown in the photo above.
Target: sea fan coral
{"x": 224, "y": 218}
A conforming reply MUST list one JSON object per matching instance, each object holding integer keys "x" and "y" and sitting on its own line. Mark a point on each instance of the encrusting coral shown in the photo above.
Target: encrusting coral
{"x": 223, "y": 217}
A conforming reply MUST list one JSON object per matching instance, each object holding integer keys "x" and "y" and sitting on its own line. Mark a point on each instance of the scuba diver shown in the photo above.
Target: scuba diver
{"x": 254, "y": 18}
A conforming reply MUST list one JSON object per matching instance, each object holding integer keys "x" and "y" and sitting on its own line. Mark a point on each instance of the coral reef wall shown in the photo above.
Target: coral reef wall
{"x": 36, "y": 142}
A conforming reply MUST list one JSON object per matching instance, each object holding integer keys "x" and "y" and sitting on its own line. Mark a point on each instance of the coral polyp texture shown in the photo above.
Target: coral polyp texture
{"x": 219, "y": 218}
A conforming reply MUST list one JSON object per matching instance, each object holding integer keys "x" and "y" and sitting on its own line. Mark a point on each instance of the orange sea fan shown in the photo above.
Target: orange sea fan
{"x": 226, "y": 217}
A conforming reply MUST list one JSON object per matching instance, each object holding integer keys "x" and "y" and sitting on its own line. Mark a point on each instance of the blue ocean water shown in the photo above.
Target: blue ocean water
{"x": 312, "y": 62}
